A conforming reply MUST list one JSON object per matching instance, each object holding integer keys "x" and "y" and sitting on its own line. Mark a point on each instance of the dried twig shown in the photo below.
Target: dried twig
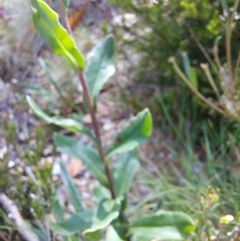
{"x": 14, "y": 214}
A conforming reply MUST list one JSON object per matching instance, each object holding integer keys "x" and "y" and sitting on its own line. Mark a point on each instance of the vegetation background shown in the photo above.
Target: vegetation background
{"x": 191, "y": 163}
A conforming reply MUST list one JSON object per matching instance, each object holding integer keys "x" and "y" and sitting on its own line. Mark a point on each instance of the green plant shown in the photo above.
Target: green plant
{"x": 28, "y": 181}
{"x": 168, "y": 28}
{"x": 164, "y": 26}
{"x": 191, "y": 180}
{"x": 207, "y": 198}
{"x": 223, "y": 79}
{"x": 114, "y": 177}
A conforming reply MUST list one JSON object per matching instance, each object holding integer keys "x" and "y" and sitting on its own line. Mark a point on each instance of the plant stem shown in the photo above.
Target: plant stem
{"x": 229, "y": 30}
{"x": 99, "y": 146}
{"x": 236, "y": 67}
{"x": 63, "y": 16}
{"x": 65, "y": 23}
{"x": 96, "y": 130}
{"x": 211, "y": 80}
{"x": 228, "y": 52}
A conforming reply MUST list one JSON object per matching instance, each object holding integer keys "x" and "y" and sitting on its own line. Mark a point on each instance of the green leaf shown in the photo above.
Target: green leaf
{"x": 186, "y": 63}
{"x": 189, "y": 71}
{"x": 133, "y": 134}
{"x": 126, "y": 166}
{"x": 86, "y": 154}
{"x": 40, "y": 233}
{"x": 70, "y": 187}
{"x": 77, "y": 223}
{"x": 100, "y": 66}
{"x": 112, "y": 235}
{"x": 88, "y": 221}
{"x": 57, "y": 210}
{"x": 164, "y": 225}
{"x": 71, "y": 238}
{"x": 65, "y": 123}
{"x": 59, "y": 216}
{"x": 106, "y": 212}
{"x": 46, "y": 22}
{"x": 100, "y": 193}
{"x": 217, "y": 40}
{"x": 66, "y": 3}
{"x": 94, "y": 236}
{"x": 193, "y": 77}
{"x": 225, "y": 7}
{"x": 50, "y": 78}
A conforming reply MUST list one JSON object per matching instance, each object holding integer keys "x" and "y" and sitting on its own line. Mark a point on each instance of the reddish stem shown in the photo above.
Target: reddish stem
{"x": 96, "y": 130}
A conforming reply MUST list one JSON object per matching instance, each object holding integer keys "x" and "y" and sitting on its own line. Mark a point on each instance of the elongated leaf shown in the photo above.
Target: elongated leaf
{"x": 66, "y": 3}
{"x": 57, "y": 211}
{"x": 59, "y": 216}
{"x": 112, "y": 235}
{"x": 94, "y": 236}
{"x": 71, "y": 238}
{"x": 86, "y": 154}
{"x": 193, "y": 77}
{"x": 189, "y": 71}
{"x": 70, "y": 187}
{"x": 225, "y": 7}
{"x": 49, "y": 77}
{"x": 186, "y": 63}
{"x": 163, "y": 225}
{"x": 100, "y": 193}
{"x": 125, "y": 168}
{"x": 100, "y": 66}
{"x": 65, "y": 123}
{"x": 133, "y": 134}
{"x": 106, "y": 212}
{"x": 217, "y": 40}
{"x": 46, "y": 22}
{"x": 77, "y": 223}
{"x": 88, "y": 221}
{"x": 42, "y": 236}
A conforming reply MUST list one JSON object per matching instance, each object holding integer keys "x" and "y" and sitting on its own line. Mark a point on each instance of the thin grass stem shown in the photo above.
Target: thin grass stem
{"x": 236, "y": 67}
{"x": 211, "y": 80}
{"x": 194, "y": 90}
{"x": 203, "y": 50}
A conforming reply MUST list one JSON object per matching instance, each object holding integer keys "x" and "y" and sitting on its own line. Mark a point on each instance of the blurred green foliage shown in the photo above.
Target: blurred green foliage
{"x": 169, "y": 28}
{"x": 26, "y": 176}
{"x": 164, "y": 29}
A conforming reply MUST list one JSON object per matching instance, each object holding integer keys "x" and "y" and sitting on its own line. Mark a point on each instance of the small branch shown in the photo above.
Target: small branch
{"x": 14, "y": 214}
{"x": 96, "y": 130}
